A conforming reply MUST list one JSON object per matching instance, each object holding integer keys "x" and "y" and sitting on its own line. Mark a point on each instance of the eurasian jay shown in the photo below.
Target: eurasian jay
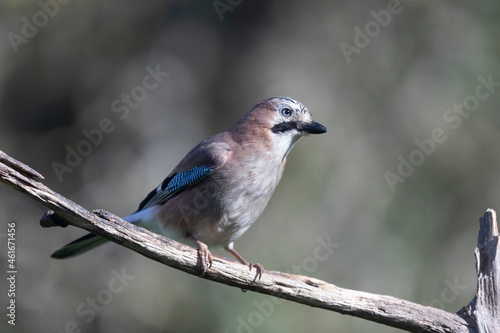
{"x": 223, "y": 184}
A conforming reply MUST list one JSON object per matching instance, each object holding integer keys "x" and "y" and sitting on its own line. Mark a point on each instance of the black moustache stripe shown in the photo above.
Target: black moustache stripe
{"x": 284, "y": 127}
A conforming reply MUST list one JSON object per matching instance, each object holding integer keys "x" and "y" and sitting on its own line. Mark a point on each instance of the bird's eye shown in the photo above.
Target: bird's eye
{"x": 286, "y": 112}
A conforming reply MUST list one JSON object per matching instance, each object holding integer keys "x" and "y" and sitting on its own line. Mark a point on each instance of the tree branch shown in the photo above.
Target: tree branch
{"x": 484, "y": 309}
{"x": 481, "y": 315}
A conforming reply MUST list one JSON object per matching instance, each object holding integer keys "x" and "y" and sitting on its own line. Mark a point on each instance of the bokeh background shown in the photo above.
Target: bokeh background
{"x": 414, "y": 240}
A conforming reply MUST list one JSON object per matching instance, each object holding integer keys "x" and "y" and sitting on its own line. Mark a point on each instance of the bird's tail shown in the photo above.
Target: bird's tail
{"x": 78, "y": 246}
{"x": 89, "y": 241}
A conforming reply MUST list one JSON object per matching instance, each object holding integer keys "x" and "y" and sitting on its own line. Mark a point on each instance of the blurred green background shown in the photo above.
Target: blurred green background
{"x": 66, "y": 67}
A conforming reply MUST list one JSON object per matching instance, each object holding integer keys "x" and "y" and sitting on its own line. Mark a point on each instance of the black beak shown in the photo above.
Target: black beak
{"x": 313, "y": 128}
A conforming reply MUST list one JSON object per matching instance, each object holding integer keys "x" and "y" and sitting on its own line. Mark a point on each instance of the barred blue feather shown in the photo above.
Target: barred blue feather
{"x": 183, "y": 179}
{"x": 174, "y": 185}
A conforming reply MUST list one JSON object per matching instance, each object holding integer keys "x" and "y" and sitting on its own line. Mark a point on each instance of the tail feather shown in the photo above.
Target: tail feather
{"x": 83, "y": 244}
{"x": 79, "y": 246}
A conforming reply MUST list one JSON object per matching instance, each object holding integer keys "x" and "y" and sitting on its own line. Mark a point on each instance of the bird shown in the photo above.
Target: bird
{"x": 223, "y": 184}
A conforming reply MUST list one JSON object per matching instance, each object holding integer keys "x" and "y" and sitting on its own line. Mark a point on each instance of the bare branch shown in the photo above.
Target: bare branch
{"x": 484, "y": 309}
{"x": 387, "y": 310}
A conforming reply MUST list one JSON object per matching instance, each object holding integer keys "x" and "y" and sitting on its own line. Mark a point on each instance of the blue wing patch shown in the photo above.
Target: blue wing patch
{"x": 174, "y": 185}
{"x": 181, "y": 180}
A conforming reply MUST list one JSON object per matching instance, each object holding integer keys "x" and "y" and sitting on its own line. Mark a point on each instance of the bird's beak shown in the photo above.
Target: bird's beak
{"x": 313, "y": 128}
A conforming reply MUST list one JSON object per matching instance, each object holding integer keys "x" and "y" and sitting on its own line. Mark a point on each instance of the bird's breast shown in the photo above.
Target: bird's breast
{"x": 219, "y": 209}
{"x": 249, "y": 186}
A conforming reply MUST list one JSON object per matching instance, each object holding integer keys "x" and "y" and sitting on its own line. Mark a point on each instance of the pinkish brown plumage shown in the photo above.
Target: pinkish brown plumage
{"x": 223, "y": 184}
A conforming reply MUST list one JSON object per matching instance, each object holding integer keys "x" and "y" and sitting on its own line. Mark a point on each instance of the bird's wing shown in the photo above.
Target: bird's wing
{"x": 170, "y": 187}
{"x": 198, "y": 164}
{"x": 175, "y": 184}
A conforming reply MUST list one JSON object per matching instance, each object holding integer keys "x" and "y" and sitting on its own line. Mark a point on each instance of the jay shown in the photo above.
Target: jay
{"x": 223, "y": 184}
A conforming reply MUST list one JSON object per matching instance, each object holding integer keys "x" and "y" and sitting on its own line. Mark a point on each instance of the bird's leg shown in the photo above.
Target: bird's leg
{"x": 203, "y": 253}
{"x": 258, "y": 267}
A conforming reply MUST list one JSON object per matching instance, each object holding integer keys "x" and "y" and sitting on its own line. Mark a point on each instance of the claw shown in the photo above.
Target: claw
{"x": 258, "y": 267}
{"x": 205, "y": 257}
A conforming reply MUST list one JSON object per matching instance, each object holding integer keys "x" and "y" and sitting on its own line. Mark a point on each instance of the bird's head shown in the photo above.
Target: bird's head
{"x": 291, "y": 118}
{"x": 281, "y": 121}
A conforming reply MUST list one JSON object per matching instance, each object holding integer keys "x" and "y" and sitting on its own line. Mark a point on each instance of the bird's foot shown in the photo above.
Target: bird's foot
{"x": 258, "y": 267}
{"x": 203, "y": 253}
{"x": 205, "y": 257}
